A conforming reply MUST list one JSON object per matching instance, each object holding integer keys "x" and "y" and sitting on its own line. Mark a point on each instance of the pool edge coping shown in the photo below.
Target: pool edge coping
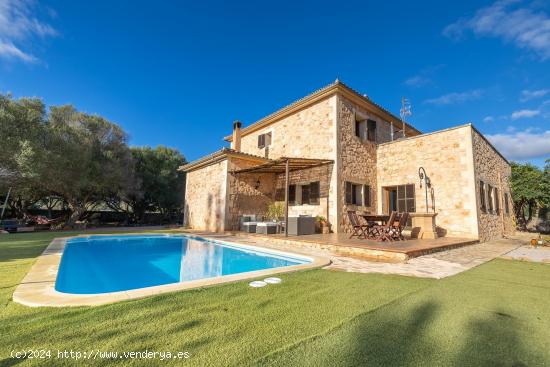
{"x": 37, "y": 289}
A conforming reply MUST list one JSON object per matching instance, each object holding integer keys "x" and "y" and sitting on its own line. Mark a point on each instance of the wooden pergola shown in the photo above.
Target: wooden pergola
{"x": 285, "y": 165}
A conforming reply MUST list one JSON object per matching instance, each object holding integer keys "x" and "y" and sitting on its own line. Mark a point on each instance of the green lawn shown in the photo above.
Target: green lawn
{"x": 496, "y": 314}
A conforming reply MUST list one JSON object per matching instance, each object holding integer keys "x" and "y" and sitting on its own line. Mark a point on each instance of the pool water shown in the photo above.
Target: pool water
{"x": 101, "y": 264}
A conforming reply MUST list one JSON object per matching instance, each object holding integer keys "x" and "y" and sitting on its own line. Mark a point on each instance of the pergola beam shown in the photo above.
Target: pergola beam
{"x": 281, "y": 165}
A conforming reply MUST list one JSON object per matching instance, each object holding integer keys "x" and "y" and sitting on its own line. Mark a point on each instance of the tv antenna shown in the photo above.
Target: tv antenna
{"x": 404, "y": 112}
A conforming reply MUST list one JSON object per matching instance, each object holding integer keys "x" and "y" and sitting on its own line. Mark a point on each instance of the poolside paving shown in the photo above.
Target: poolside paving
{"x": 528, "y": 253}
{"x": 436, "y": 265}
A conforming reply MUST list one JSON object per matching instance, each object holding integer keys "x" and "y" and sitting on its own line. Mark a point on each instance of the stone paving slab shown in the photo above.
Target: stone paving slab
{"x": 438, "y": 265}
{"x": 528, "y": 253}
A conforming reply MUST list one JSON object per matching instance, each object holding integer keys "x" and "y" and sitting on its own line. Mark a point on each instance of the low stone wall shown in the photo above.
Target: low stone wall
{"x": 205, "y": 197}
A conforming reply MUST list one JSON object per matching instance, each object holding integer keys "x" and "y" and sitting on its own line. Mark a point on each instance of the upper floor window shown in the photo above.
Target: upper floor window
{"x": 264, "y": 140}
{"x": 365, "y": 130}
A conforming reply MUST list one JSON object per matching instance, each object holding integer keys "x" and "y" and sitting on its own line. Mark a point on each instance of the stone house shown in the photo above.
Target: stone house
{"x": 369, "y": 160}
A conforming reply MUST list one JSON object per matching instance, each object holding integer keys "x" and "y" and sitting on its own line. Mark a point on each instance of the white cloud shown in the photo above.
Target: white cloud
{"x": 453, "y": 98}
{"x": 527, "y": 95}
{"x": 524, "y": 114}
{"x": 424, "y": 76}
{"x": 522, "y": 145}
{"x": 18, "y": 24}
{"x": 488, "y": 119}
{"x": 525, "y": 26}
{"x": 9, "y": 51}
{"x": 417, "y": 81}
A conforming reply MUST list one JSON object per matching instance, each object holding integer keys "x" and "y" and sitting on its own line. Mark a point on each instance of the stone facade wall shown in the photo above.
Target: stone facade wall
{"x": 356, "y": 159}
{"x": 304, "y": 134}
{"x": 448, "y": 160}
{"x": 205, "y": 197}
{"x": 493, "y": 170}
{"x": 308, "y": 133}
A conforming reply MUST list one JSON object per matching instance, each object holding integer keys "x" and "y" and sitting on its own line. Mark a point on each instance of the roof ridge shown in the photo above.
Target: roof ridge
{"x": 297, "y": 102}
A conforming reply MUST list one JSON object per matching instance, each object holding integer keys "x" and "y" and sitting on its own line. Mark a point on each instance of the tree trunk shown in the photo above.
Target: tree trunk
{"x": 76, "y": 213}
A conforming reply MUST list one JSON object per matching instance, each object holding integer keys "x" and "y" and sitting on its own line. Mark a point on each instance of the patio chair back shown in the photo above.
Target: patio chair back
{"x": 391, "y": 220}
{"x": 352, "y": 216}
{"x": 403, "y": 220}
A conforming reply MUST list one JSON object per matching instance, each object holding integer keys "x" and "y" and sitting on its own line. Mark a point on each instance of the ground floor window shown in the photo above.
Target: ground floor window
{"x": 358, "y": 194}
{"x": 301, "y": 194}
{"x": 400, "y": 198}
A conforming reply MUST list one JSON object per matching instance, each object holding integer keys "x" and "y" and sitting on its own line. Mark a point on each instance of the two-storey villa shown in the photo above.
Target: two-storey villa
{"x": 342, "y": 152}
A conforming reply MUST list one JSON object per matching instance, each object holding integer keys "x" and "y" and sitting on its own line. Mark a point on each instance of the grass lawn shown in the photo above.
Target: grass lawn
{"x": 496, "y": 314}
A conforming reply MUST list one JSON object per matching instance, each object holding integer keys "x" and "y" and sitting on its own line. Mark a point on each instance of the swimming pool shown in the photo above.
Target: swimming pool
{"x": 104, "y": 264}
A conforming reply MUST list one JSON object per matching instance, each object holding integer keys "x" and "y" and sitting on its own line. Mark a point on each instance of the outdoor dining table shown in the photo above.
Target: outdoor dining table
{"x": 383, "y": 218}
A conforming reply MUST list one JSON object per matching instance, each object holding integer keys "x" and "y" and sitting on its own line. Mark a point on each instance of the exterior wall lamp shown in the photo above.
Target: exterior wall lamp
{"x": 427, "y": 183}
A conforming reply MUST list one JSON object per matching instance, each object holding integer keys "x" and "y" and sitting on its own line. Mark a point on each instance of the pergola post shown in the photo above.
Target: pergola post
{"x": 287, "y": 169}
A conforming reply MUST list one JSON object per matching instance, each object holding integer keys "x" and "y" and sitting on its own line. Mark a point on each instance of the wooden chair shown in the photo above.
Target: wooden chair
{"x": 358, "y": 229}
{"x": 396, "y": 231}
{"x": 383, "y": 232}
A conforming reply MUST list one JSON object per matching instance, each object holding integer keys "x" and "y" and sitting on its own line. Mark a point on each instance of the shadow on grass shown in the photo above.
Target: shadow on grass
{"x": 494, "y": 341}
{"x": 390, "y": 340}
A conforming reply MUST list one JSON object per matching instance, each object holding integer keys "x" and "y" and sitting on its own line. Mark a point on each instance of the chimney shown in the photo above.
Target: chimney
{"x": 236, "y": 142}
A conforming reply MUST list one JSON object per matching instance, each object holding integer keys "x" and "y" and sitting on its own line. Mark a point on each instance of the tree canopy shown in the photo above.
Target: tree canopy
{"x": 84, "y": 160}
{"x": 530, "y": 190}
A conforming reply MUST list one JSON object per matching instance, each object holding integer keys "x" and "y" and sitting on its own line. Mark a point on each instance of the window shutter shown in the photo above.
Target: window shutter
{"x": 371, "y": 130}
{"x": 267, "y": 138}
{"x": 497, "y": 201}
{"x": 349, "y": 195}
{"x": 291, "y": 194}
{"x": 305, "y": 194}
{"x": 366, "y": 195}
{"x": 261, "y": 140}
{"x": 314, "y": 193}
{"x": 482, "y": 195}
{"x": 490, "y": 198}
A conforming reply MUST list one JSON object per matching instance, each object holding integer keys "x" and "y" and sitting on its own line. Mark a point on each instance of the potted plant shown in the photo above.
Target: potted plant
{"x": 275, "y": 211}
{"x": 322, "y": 224}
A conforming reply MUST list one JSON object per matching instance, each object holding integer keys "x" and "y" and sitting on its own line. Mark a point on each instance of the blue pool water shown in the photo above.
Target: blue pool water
{"x": 100, "y": 264}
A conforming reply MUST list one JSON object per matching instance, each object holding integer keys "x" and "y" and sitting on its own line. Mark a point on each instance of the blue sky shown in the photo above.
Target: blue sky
{"x": 178, "y": 73}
